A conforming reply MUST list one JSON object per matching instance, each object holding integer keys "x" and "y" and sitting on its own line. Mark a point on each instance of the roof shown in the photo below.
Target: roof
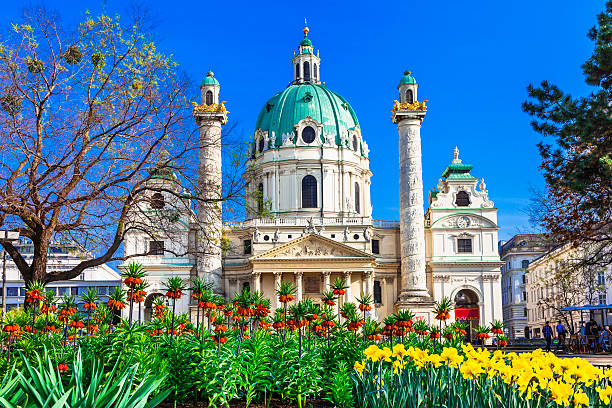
{"x": 210, "y": 79}
{"x": 407, "y": 79}
{"x": 458, "y": 171}
{"x": 285, "y": 109}
{"x": 527, "y": 243}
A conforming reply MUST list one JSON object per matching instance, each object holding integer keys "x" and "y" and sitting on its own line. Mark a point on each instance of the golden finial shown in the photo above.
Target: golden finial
{"x": 305, "y": 28}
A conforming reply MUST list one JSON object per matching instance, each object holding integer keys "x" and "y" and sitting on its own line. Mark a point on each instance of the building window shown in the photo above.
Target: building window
{"x": 524, "y": 296}
{"x": 156, "y": 247}
{"x": 261, "y": 144}
{"x": 247, "y": 247}
{"x": 308, "y": 134}
{"x": 355, "y": 143}
{"x": 297, "y": 71}
{"x": 12, "y": 291}
{"x": 462, "y": 199}
{"x": 357, "y": 206}
{"x": 409, "y": 96}
{"x": 315, "y": 71}
{"x": 260, "y": 199}
{"x": 306, "y": 71}
{"x": 602, "y": 299}
{"x": 375, "y": 246}
{"x": 61, "y": 291}
{"x": 246, "y": 285}
{"x": 101, "y": 290}
{"x": 209, "y": 98}
{"x": 525, "y": 312}
{"x": 464, "y": 245}
{"x": 312, "y": 284}
{"x": 377, "y": 292}
{"x": 524, "y": 279}
{"x": 601, "y": 278}
{"x": 524, "y": 263}
{"x": 309, "y": 192}
{"x": 157, "y": 201}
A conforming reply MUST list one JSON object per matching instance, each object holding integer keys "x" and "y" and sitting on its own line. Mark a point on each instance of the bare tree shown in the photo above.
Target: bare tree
{"x": 90, "y": 118}
{"x": 570, "y": 282}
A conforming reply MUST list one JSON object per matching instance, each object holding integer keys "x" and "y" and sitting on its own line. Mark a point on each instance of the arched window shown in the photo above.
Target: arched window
{"x": 209, "y": 98}
{"x": 260, "y": 198}
{"x": 355, "y": 143}
{"x": 462, "y": 199}
{"x": 315, "y": 71}
{"x": 306, "y": 71}
{"x": 409, "y": 96}
{"x": 297, "y": 71}
{"x": 308, "y": 134}
{"x": 309, "y": 192}
{"x": 261, "y": 144}
{"x": 157, "y": 201}
{"x": 357, "y": 206}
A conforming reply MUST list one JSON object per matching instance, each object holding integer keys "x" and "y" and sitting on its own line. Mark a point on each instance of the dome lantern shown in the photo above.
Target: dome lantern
{"x": 306, "y": 64}
{"x": 210, "y": 88}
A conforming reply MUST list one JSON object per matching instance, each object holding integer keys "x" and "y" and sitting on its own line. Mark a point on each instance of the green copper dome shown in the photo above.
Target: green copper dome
{"x": 284, "y": 110}
{"x": 210, "y": 79}
{"x": 306, "y": 42}
{"x": 407, "y": 79}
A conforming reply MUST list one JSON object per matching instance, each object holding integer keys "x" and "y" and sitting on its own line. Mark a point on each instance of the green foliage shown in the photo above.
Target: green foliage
{"x": 42, "y": 385}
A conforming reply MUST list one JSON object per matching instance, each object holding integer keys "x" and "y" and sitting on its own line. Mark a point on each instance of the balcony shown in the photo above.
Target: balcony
{"x": 316, "y": 221}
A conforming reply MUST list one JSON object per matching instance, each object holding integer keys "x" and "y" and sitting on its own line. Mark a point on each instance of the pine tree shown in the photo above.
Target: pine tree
{"x": 577, "y": 205}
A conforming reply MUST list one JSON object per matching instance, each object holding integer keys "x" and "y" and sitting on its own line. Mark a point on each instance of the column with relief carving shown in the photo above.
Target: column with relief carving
{"x": 278, "y": 277}
{"x": 408, "y": 114}
{"x": 298, "y": 284}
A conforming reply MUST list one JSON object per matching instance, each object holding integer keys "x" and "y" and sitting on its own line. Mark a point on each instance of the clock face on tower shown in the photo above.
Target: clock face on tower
{"x": 463, "y": 222}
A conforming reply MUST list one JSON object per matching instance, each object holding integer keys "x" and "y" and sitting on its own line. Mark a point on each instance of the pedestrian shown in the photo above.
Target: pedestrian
{"x": 548, "y": 335}
{"x": 561, "y": 333}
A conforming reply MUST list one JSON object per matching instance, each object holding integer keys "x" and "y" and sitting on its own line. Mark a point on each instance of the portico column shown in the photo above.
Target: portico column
{"x": 278, "y": 276}
{"x": 298, "y": 282}
{"x": 257, "y": 281}
{"x": 368, "y": 276}
{"x": 347, "y": 278}
{"x": 326, "y": 281}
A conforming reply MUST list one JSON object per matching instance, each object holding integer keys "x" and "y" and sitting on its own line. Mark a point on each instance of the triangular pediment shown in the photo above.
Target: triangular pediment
{"x": 312, "y": 246}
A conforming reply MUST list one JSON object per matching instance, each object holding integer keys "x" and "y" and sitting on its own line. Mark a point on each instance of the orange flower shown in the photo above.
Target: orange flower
{"x": 62, "y": 368}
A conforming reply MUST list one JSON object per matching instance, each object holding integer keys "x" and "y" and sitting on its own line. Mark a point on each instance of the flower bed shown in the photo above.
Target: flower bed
{"x": 466, "y": 377}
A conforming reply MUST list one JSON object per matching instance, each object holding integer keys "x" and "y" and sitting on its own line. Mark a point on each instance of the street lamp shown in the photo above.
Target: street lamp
{"x": 9, "y": 236}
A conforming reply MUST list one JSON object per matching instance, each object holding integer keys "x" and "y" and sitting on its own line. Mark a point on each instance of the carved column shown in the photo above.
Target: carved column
{"x": 210, "y": 118}
{"x": 257, "y": 281}
{"x": 413, "y": 288}
{"x": 347, "y": 295}
{"x": 298, "y": 284}
{"x": 326, "y": 280}
{"x": 278, "y": 276}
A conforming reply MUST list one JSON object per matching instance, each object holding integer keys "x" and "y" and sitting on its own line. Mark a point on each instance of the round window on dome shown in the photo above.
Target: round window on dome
{"x": 308, "y": 134}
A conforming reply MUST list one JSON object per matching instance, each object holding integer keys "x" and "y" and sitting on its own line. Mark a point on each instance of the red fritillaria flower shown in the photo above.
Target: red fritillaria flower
{"x": 62, "y": 368}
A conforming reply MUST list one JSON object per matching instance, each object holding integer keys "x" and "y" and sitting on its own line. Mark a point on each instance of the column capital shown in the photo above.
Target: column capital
{"x": 298, "y": 274}
{"x": 368, "y": 274}
{"x": 257, "y": 274}
{"x": 277, "y": 274}
{"x": 326, "y": 273}
{"x": 348, "y": 273}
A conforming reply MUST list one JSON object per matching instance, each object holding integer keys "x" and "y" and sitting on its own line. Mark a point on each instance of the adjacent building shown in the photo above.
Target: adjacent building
{"x": 61, "y": 257}
{"x": 516, "y": 255}
{"x": 554, "y": 282}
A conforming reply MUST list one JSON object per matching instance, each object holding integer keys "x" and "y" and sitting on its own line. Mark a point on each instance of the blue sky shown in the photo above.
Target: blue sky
{"x": 472, "y": 61}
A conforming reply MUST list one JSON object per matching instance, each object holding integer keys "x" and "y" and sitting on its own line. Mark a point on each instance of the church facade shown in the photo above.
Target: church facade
{"x": 311, "y": 222}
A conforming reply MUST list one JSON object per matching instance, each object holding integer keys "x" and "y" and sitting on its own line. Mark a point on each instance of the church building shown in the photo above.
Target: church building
{"x": 311, "y": 220}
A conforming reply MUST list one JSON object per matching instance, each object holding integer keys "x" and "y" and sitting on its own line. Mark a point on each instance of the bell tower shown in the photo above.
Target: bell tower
{"x": 408, "y": 115}
{"x": 306, "y": 65}
{"x": 210, "y": 115}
